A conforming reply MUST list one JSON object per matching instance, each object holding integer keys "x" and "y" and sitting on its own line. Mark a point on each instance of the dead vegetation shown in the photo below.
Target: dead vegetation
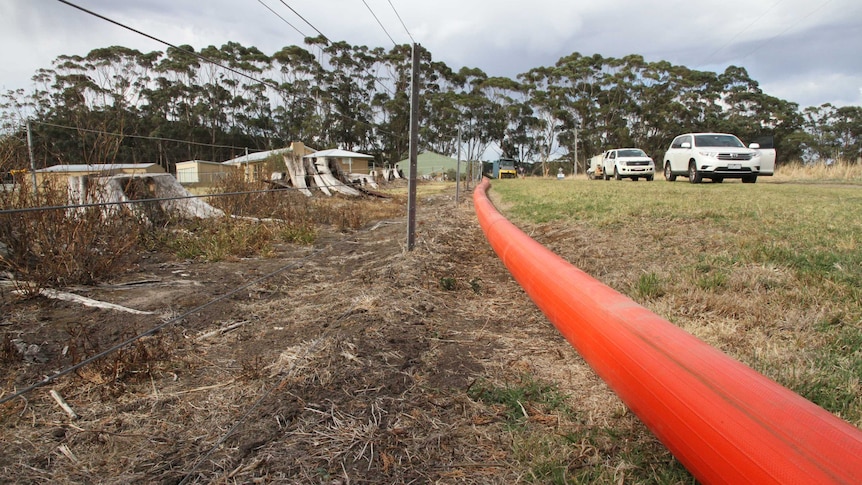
{"x": 355, "y": 362}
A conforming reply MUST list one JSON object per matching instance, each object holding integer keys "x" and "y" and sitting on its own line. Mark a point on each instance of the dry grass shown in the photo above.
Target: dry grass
{"x": 356, "y": 366}
{"x": 768, "y": 274}
{"x": 56, "y": 247}
{"x": 840, "y": 171}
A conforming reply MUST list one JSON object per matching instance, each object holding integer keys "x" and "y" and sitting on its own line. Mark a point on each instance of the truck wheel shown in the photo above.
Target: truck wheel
{"x": 693, "y": 175}
{"x": 634, "y": 179}
{"x": 668, "y": 174}
{"x": 617, "y": 174}
{"x": 649, "y": 178}
{"x": 750, "y": 179}
{"x": 717, "y": 180}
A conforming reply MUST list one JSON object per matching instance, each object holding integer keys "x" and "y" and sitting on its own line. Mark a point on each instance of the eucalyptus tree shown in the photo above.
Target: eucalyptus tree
{"x": 550, "y": 109}
{"x": 751, "y": 113}
{"x": 250, "y": 113}
{"x": 294, "y": 115}
{"x": 577, "y": 86}
{"x": 658, "y": 108}
{"x": 440, "y": 111}
{"x": 481, "y": 120}
{"x": 171, "y": 100}
{"x": 232, "y": 97}
{"x": 392, "y": 103}
{"x": 846, "y": 130}
{"x": 95, "y": 97}
{"x": 506, "y": 124}
{"x": 835, "y": 133}
{"x": 346, "y": 93}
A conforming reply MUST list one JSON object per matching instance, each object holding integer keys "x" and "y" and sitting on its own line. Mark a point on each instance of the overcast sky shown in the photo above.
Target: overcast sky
{"x": 805, "y": 51}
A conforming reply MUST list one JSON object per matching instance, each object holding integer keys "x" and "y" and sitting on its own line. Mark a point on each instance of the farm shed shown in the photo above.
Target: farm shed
{"x": 201, "y": 173}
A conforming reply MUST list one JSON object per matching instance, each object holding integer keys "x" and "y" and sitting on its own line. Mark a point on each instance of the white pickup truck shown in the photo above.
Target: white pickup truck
{"x": 621, "y": 163}
{"x": 716, "y": 156}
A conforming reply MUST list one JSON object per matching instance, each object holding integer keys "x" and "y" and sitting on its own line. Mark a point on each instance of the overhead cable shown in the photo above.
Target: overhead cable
{"x": 268, "y": 83}
{"x": 306, "y": 21}
{"x": 282, "y": 18}
{"x": 379, "y": 23}
{"x": 794, "y": 24}
{"x": 402, "y": 22}
{"x": 156, "y": 138}
{"x": 747, "y": 27}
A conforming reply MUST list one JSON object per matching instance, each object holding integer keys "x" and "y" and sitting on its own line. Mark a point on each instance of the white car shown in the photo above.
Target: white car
{"x": 716, "y": 156}
{"x": 630, "y": 163}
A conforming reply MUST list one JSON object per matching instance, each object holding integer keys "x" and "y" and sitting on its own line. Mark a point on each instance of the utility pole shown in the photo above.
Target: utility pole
{"x": 32, "y": 160}
{"x": 414, "y": 149}
{"x": 458, "y": 171}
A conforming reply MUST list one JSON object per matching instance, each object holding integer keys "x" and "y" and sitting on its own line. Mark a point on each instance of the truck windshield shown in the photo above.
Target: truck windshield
{"x": 633, "y": 152}
{"x": 717, "y": 141}
{"x": 507, "y": 163}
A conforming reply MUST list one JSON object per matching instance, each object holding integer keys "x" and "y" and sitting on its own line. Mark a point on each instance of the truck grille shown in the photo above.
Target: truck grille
{"x": 637, "y": 164}
{"x": 734, "y": 156}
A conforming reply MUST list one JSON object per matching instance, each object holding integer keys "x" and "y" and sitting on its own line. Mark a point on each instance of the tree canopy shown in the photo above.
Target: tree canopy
{"x": 122, "y": 105}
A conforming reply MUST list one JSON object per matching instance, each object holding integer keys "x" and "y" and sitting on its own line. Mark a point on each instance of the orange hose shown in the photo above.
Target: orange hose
{"x": 725, "y": 422}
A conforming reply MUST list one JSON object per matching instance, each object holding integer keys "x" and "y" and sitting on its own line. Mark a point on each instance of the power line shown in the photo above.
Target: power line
{"x": 192, "y": 53}
{"x": 794, "y": 24}
{"x": 155, "y": 138}
{"x": 282, "y": 18}
{"x": 306, "y": 21}
{"x": 379, "y": 23}
{"x": 402, "y": 22}
{"x": 270, "y": 84}
{"x": 385, "y": 87}
{"x": 730, "y": 41}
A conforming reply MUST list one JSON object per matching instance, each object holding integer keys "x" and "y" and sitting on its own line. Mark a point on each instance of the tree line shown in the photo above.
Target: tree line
{"x": 120, "y": 105}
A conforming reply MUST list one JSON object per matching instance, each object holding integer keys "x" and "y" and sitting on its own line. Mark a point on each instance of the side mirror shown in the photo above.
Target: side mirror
{"x": 685, "y": 144}
{"x": 754, "y": 146}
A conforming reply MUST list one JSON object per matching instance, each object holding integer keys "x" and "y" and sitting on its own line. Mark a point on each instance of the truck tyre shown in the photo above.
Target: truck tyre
{"x": 668, "y": 174}
{"x": 717, "y": 180}
{"x": 617, "y": 174}
{"x": 634, "y": 179}
{"x": 693, "y": 175}
{"x": 649, "y": 178}
{"x": 749, "y": 179}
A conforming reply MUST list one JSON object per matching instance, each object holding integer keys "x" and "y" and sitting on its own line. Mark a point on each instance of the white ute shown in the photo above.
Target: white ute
{"x": 621, "y": 163}
{"x": 716, "y": 156}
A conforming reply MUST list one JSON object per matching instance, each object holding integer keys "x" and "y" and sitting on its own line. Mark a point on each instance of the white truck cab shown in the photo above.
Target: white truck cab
{"x": 621, "y": 163}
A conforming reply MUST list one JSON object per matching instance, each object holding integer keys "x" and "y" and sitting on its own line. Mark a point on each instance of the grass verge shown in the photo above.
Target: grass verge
{"x": 769, "y": 273}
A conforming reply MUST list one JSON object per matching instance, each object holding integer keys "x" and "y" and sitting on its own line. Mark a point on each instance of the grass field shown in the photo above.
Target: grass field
{"x": 769, "y": 273}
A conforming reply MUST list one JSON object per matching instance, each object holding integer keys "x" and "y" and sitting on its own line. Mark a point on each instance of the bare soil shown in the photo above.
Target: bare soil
{"x": 350, "y": 361}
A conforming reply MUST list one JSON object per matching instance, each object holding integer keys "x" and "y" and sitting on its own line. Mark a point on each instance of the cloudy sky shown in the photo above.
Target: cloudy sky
{"x": 805, "y": 51}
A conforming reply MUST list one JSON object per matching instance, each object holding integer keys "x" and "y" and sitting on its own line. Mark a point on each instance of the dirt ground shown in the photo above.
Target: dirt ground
{"x": 350, "y": 361}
